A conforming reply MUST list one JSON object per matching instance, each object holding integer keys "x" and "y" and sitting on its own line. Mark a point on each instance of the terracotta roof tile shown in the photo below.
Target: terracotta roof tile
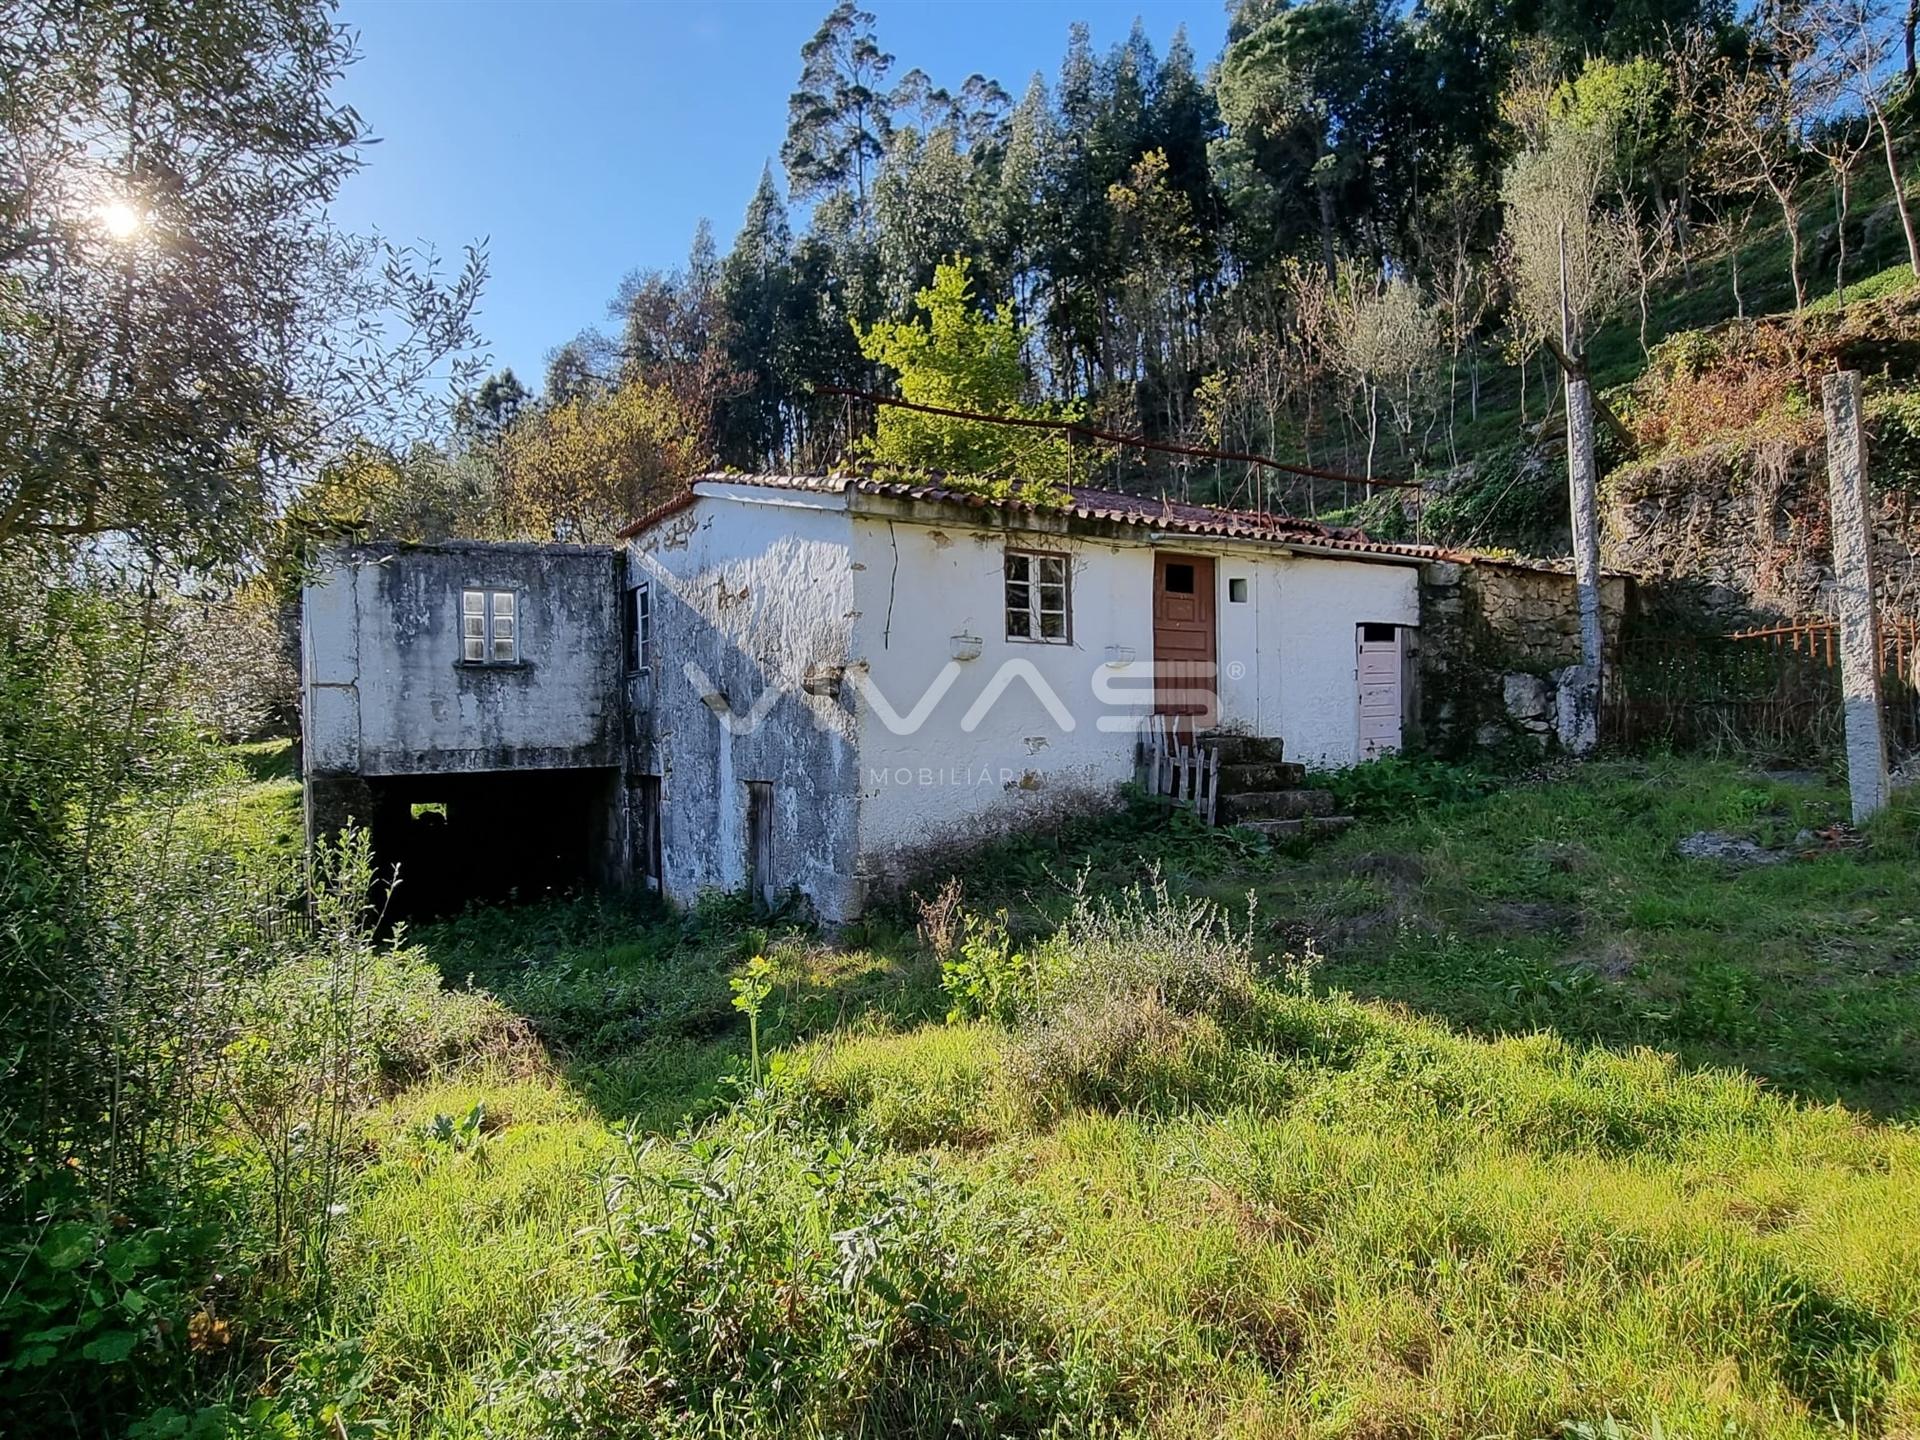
{"x": 1112, "y": 506}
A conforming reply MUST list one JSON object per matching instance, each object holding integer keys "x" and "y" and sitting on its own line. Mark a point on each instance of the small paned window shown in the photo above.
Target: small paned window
{"x": 639, "y": 628}
{"x": 1037, "y": 596}
{"x": 488, "y": 633}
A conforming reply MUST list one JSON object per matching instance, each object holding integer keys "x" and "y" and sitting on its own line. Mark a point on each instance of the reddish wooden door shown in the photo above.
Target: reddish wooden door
{"x": 1185, "y": 654}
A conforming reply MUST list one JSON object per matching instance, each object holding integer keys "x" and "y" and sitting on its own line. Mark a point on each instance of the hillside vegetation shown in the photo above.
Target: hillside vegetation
{"x": 1496, "y": 1118}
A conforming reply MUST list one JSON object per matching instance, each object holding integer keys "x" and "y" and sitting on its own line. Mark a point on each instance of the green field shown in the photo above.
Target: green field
{"x": 1497, "y": 1117}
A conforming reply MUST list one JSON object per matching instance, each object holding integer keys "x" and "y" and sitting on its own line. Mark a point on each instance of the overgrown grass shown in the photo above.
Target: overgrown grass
{"x": 1497, "y": 1117}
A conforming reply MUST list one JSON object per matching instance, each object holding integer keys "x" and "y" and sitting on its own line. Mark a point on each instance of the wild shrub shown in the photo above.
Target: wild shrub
{"x": 783, "y": 1280}
{"x": 987, "y": 975}
{"x": 1135, "y": 999}
{"x": 1397, "y": 784}
{"x": 942, "y": 917}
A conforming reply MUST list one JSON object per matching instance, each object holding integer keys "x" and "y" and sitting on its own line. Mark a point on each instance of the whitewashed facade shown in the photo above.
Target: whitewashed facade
{"x": 832, "y": 680}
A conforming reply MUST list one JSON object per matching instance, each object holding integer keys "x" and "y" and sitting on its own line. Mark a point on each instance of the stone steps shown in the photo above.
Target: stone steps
{"x": 1240, "y": 779}
{"x": 1274, "y": 805}
{"x": 1245, "y": 749}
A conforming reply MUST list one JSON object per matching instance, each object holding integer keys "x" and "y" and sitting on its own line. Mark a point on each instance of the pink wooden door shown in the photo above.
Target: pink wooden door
{"x": 1378, "y": 674}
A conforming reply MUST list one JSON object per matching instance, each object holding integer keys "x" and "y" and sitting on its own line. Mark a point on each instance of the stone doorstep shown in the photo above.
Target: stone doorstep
{"x": 1275, "y": 805}
{"x": 1241, "y": 779}
{"x": 1246, "y": 749}
{"x": 1310, "y": 825}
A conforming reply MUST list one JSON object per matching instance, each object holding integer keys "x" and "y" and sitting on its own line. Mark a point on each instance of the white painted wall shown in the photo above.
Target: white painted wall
{"x": 1313, "y": 700}
{"x": 1286, "y": 656}
{"x": 918, "y": 587}
{"x": 752, "y": 588}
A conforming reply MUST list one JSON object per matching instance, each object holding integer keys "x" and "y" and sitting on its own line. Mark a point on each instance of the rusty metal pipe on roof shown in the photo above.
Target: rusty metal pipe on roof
{"x": 1111, "y": 437}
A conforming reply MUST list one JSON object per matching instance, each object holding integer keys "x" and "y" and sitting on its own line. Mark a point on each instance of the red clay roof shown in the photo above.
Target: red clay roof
{"x": 1112, "y": 506}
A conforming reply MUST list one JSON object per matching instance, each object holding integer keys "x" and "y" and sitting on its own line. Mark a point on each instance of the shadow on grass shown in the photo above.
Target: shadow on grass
{"x": 1560, "y": 905}
{"x": 1554, "y": 905}
{"x": 633, "y": 1001}
{"x": 261, "y": 761}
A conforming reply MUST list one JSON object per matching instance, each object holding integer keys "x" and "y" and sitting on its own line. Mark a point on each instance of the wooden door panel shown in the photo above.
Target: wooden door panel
{"x": 1185, "y": 646}
{"x": 1378, "y": 679}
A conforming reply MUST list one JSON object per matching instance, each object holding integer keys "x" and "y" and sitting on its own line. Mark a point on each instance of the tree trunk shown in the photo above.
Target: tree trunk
{"x": 1840, "y": 235}
{"x": 1682, "y": 235}
{"x": 1373, "y": 430}
{"x": 1733, "y": 261}
{"x": 1790, "y": 213}
{"x": 1326, "y": 233}
{"x": 1893, "y": 163}
{"x": 1453, "y": 404}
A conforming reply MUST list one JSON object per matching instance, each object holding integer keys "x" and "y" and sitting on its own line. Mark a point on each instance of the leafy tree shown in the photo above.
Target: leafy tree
{"x": 754, "y": 281}
{"x": 956, "y": 357}
{"x": 1306, "y": 97}
{"x": 673, "y": 333}
{"x": 579, "y": 470}
{"x": 182, "y": 335}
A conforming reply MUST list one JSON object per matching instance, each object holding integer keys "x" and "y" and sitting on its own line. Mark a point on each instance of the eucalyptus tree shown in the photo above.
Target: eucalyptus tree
{"x": 839, "y": 119}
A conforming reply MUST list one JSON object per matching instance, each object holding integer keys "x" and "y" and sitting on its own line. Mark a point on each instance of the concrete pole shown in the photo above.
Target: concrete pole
{"x": 1578, "y": 720}
{"x": 1852, "y": 518}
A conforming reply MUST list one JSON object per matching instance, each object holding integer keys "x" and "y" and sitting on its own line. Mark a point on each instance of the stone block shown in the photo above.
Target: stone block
{"x": 1527, "y": 698}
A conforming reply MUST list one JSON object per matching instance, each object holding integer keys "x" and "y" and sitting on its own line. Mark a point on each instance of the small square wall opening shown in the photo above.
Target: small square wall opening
{"x": 1237, "y": 590}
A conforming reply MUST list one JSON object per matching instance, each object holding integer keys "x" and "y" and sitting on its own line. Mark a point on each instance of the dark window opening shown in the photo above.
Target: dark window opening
{"x": 1179, "y": 579}
{"x": 645, "y": 832}
{"x": 1376, "y": 634}
{"x": 637, "y": 625}
{"x": 1037, "y": 599}
{"x": 1237, "y": 590}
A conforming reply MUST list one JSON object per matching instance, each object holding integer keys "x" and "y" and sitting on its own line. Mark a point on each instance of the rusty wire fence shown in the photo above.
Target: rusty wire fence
{"x": 1775, "y": 689}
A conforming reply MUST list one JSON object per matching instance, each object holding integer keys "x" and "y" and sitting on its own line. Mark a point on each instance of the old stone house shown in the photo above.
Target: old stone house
{"x": 795, "y": 683}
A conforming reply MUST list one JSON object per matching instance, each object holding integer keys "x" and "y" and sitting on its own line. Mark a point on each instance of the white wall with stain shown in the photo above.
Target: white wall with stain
{"x": 749, "y": 593}
{"x": 931, "y": 603}
{"x": 386, "y": 691}
{"x": 927, "y": 594}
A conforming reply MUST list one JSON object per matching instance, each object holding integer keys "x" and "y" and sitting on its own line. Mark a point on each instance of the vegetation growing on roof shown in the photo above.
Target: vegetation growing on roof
{"x": 956, "y": 356}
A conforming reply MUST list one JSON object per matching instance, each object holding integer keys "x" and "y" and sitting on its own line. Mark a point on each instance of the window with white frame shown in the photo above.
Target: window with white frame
{"x": 1037, "y": 597}
{"x": 639, "y": 628}
{"x": 489, "y": 632}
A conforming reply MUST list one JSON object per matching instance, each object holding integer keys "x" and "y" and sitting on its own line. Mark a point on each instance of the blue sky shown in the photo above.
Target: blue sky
{"x": 585, "y": 140}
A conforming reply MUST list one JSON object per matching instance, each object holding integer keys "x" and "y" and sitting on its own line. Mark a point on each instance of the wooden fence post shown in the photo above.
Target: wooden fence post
{"x": 1852, "y": 515}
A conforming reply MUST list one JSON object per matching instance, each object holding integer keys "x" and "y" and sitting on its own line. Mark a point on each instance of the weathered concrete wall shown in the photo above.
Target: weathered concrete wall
{"x": 1492, "y": 637}
{"x": 387, "y": 693}
{"x": 752, "y": 594}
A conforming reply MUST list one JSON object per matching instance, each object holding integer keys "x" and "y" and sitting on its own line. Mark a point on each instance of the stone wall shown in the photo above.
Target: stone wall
{"x": 1738, "y": 536}
{"x": 1495, "y": 640}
